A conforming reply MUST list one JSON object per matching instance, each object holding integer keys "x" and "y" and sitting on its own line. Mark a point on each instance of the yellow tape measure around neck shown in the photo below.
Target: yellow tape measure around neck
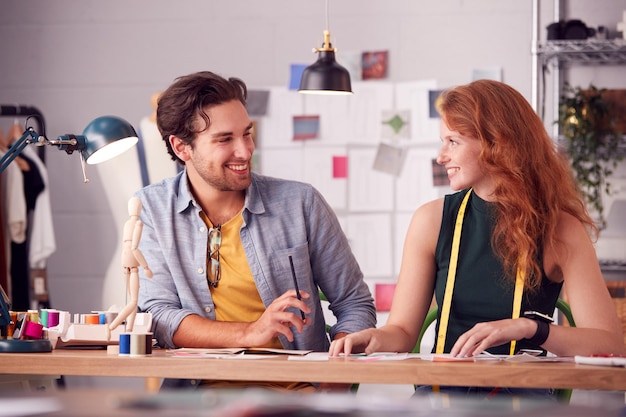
{"x": 447, "y": 297}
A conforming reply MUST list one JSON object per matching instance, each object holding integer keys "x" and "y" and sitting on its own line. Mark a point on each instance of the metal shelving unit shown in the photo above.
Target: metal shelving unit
{"x": 587, "y": 52}
{"x": 554, "y": 56}
{"x": 563, "y": 54}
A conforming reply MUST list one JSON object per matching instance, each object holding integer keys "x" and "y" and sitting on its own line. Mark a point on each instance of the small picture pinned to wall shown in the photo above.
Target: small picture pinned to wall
{"x": 494, "y": 73}
{"x": 433, "y": 97}
{"x": 390, "y": 159}
{"x": 374, "y": 65}
{"x": 306, "y": 127}
{"x": 340, "y": 166}
{"x": 351, "y": 60}
{"x": 295, "y": 75}
{"x": 256, "y": 103}
{"x": 383, "y": 295}
{"x": 396, "y": 124}
{"x": 440, "y": 175}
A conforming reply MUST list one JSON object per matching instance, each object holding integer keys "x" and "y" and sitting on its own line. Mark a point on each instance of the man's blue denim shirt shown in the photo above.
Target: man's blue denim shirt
{"x": 281, "y": 218}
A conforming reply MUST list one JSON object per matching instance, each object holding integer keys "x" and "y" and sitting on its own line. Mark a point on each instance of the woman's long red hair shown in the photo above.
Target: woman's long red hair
{"x": 534, "y": 183}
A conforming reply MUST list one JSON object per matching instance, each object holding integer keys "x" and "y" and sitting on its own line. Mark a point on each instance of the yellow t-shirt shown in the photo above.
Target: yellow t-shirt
{"x": 236, "y": 297}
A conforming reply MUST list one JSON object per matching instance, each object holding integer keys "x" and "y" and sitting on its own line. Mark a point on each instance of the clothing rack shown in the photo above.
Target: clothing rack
{"x": 28, "y": 112}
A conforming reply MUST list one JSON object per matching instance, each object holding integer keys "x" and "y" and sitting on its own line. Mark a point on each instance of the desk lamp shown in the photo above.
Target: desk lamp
{"x": 325, "y": 76}
{"x": 103, "y": 139}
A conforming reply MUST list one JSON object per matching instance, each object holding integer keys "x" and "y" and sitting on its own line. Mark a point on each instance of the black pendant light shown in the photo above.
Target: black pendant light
{"x": 325, "y": 76}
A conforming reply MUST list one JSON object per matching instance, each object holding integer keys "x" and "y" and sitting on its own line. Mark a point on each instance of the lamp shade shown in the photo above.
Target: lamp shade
{"x": 106, "y": 137}
{"x": 325, "y": 76}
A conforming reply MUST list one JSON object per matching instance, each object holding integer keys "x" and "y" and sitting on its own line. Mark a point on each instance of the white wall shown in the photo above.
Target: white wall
{"x": 76, "y": 60}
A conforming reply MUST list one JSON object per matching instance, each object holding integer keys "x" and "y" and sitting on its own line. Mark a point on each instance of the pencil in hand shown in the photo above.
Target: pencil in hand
{"x": 295, "y": 283}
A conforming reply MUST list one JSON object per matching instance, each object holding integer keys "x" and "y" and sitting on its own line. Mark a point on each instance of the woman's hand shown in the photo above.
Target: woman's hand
{"x": 492, "y": 333}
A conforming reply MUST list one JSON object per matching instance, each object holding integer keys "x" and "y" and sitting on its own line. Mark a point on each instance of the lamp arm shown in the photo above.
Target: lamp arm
{"x": 68, "y": 143}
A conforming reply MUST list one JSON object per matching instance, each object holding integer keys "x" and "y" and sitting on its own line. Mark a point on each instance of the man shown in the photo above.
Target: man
{"x": 225, "y": 244}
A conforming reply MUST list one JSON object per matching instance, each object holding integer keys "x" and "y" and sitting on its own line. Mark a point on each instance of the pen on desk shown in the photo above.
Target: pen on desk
{"x": 295, "y": 283}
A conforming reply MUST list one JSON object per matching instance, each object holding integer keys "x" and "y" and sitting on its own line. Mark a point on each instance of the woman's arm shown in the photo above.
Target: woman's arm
{"x": 413, "y": 294}
{"x": 598, "y": 329}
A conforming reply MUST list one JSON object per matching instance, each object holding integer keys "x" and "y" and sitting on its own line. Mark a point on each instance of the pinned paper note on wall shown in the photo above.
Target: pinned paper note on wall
{"x": 306, "y": 127}
{"x": 340, "y": 167}
{"x": 390, "y": 159}
{"x": 383, "y": 296}
{"x": 374, "y": 64}
{"x": 296, "y": 75}
{"x": 433, "y": 97}
{"x": 396, "y": 124}
{"x": 256, "y": 103}
{"x": 440, "y": 175}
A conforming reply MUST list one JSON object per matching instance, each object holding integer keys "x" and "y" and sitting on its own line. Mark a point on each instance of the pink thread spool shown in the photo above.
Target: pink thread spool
{"x": 53, "y": 318}
{"x": 32, "y": 330}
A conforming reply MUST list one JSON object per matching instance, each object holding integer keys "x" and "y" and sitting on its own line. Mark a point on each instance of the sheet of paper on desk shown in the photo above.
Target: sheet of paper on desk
{"x": 377, "y": 356}
{"x": 440, "y": 357}
{"x": 229, "y": 356}
{"x": 224, "y": 352}
{"x": 524, "y": 357}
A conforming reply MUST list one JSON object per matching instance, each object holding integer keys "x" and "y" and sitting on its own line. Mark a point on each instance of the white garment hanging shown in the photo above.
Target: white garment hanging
{"x": 14, "y": 204}
{"x": 42, "y": 242}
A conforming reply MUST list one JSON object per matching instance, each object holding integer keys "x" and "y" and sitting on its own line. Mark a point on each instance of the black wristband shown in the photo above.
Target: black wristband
{"x": 541, "y": 335}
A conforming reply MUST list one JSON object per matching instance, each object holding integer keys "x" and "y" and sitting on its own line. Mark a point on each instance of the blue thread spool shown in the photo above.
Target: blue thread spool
{"x": 124, "y": 344}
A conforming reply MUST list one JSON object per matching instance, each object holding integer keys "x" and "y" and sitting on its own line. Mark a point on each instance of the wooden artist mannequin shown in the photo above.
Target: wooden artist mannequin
{"x": 132, "y": 258}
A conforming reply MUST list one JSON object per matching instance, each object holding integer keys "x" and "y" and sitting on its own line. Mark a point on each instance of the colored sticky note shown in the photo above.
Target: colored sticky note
{"x": 296, "y": 75}
{"x": 383, "y": 296}
{"x": 306, "y": 127}
{"x": 340, "y": 167}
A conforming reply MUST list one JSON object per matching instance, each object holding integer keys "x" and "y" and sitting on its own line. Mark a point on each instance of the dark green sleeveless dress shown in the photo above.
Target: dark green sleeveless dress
{"x": 481, "y": 293}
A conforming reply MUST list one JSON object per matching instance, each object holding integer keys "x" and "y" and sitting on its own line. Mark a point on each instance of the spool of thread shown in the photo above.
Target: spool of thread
{"x": 92, "y": 319}
{"x": 109, "y": 316}
{"x": 102, "y": 318}
{"x": 33, "y": 315}
{"x": 124, "y": 344}
{"x": 148, "y": 343}
{"x": 32, "y": 330}
{"x": 53, "y": 318}
{"x": 11, "y": 326}
{"x": 43, "y": 317}
{"x": 137, "y": 344}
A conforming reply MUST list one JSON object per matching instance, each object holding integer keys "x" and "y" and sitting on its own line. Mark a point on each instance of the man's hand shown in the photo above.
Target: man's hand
{"x": 276, "y": 320}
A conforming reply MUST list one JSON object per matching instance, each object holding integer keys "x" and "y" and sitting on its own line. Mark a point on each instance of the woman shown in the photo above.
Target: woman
{"x": 523, "y": 221}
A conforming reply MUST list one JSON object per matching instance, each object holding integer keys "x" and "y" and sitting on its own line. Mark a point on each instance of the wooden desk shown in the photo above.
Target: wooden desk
{"x": 409, "y": 371}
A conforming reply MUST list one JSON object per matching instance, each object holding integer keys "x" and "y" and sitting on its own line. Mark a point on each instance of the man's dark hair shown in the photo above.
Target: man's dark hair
{"x": 187, "y": 98}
